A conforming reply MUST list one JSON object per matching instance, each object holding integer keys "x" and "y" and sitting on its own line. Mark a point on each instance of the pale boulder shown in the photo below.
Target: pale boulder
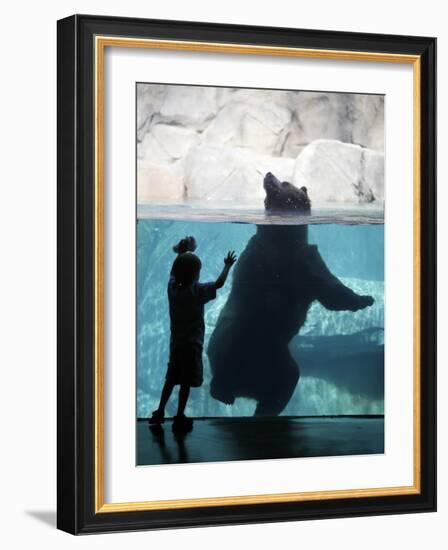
{"x": 368, "y": 126}
{"x": 149, "y": 102}
{"x": 190, "y": 106}
{"x": 150, "y": 150}
{"x": 374, "y": 168}
{"x": 158, "y": 183}
{"x": 351, "y": 118}
{"x": 340, "y": 172}
{"x": 216, "y": 173}
{"x": 249, "y": 124}
{"x": 165, "y": 143}
{"x": 319, "y": 115}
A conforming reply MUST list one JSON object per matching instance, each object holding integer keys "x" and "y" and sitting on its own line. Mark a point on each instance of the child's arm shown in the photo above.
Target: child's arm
{"x": 229, "y": 260}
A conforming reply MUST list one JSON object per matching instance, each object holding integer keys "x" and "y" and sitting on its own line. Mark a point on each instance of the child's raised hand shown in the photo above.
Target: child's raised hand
{"x": 230, "y": 259}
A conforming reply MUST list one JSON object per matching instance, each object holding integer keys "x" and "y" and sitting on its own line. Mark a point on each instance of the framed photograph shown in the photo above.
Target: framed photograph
{"x": 246, "y": 274}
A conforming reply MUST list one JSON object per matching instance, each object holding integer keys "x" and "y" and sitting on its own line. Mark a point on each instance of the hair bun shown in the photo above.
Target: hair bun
{"x": 180, "y": 247}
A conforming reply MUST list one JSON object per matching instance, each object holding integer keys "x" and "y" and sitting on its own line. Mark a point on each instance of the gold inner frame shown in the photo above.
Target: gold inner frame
{"x": 101, "y": 42}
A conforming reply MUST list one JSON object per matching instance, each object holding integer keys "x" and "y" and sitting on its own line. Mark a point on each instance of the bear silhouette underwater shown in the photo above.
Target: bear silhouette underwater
{"x": 276, "y": 279}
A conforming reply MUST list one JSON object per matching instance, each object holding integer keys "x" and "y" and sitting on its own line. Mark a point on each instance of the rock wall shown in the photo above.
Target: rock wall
{"x": 209, "y": 143}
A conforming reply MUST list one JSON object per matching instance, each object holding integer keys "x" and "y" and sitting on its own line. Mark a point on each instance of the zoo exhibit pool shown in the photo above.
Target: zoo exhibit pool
{"x": 340, "y": 354}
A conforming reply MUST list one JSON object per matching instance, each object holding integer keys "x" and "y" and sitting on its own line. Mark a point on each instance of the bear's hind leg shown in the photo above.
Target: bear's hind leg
{"x": 221, "y": 390}
{"x": 279, "y": 392}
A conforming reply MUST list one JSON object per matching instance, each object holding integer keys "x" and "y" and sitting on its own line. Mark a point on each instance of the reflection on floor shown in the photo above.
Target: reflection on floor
{"x": 219, "y": 439}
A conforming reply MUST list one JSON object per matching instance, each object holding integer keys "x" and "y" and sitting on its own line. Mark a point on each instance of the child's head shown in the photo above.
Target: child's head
{"x": 187, "y": 244}
{"x": 186, "y": 268}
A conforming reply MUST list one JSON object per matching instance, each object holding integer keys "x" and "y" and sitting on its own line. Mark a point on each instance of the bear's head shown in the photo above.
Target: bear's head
{"x": 282, "y": 196}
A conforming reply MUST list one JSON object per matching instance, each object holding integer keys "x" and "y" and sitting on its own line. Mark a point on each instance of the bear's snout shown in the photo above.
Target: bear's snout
{"x": 270, "y": 183}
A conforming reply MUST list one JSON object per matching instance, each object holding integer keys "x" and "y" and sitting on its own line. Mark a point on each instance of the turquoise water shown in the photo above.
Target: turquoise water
{"x": 341, "y": 354}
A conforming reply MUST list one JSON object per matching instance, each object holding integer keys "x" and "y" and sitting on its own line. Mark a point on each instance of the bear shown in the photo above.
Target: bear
{"x": 276, "y": 279}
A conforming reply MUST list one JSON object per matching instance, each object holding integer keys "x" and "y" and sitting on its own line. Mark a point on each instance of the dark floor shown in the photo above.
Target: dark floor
{"x": 219, "y": 439}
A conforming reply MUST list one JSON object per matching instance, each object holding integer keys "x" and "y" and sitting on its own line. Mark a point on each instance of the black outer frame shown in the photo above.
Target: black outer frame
{"x": 75, "y": 272}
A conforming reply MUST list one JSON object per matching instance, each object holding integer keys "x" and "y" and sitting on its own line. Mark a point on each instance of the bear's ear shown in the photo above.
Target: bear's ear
{"x": 304, "y": 189}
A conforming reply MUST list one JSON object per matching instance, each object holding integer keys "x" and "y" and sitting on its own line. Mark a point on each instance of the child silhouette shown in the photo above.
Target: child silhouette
{"x": 187, "y": 297}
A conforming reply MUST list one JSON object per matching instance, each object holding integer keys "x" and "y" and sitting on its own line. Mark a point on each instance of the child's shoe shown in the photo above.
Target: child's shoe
{"x": 157, "y": 418}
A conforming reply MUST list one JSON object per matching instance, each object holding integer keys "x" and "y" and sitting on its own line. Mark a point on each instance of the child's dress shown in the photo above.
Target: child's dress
{"x": 186, "y": 307}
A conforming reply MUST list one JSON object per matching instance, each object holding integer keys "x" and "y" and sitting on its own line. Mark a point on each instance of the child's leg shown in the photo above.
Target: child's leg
{"x": 181, "y": 423}
{"x": 166, "y": 393}
{"x": 184, "y": 393}
{"x": 158, "y": 416}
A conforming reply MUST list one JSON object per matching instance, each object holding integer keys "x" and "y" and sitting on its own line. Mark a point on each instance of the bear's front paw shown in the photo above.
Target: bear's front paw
{"x": 367, "y": 301}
